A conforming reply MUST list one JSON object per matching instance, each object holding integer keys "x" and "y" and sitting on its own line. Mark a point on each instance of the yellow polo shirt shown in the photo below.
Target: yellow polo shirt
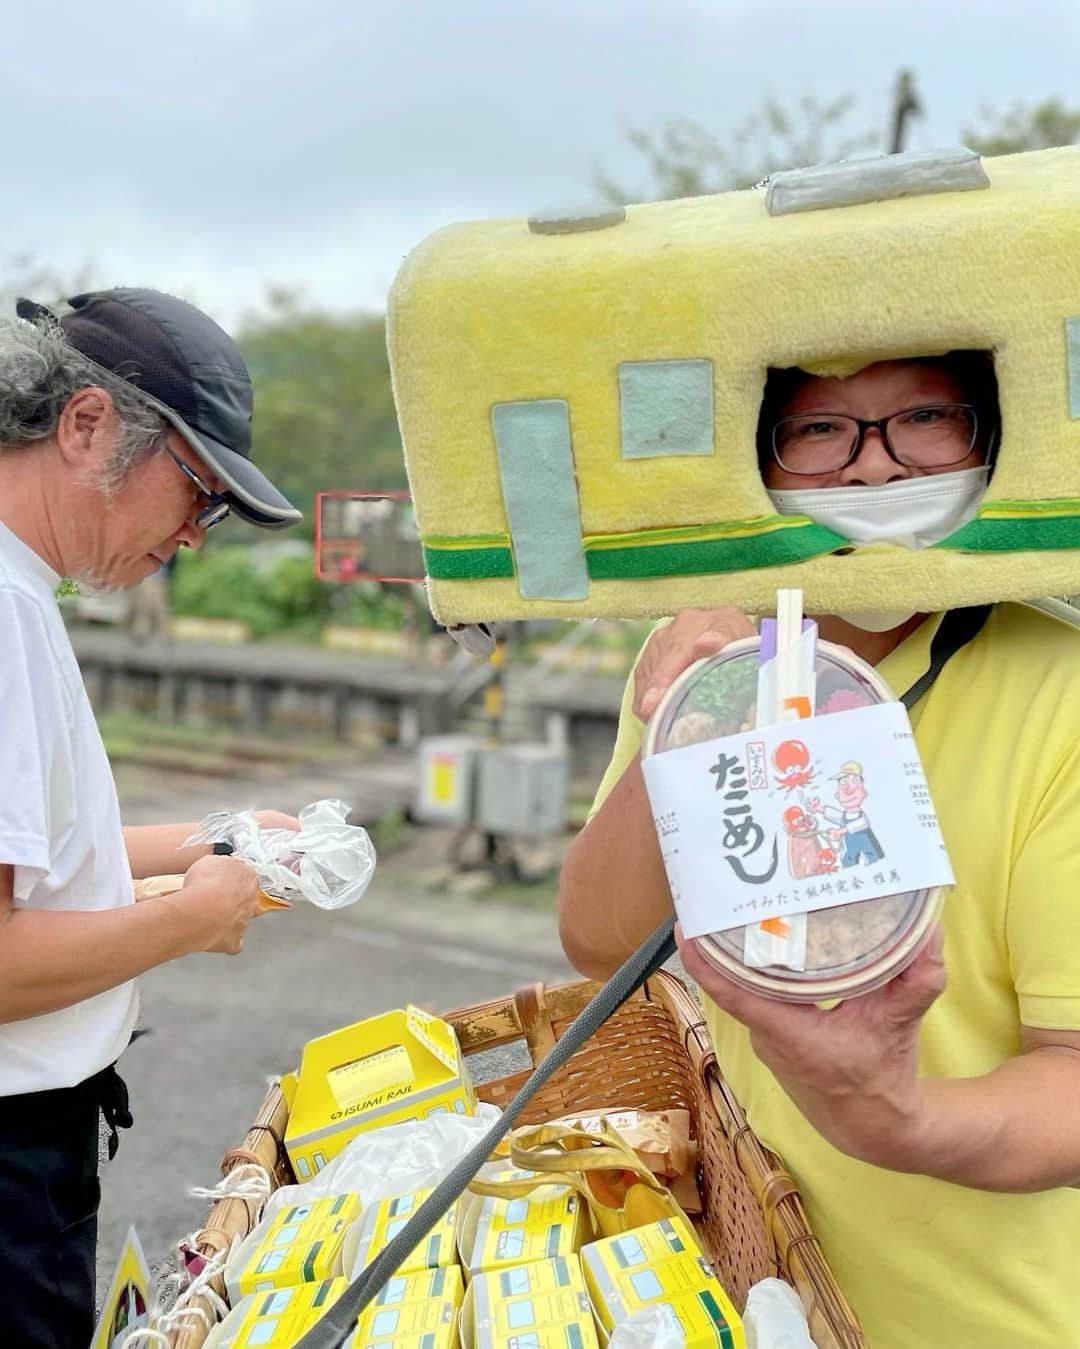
{"x": 925, "y": 1262}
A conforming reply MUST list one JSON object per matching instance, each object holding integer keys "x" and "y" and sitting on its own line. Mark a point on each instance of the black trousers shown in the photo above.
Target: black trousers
{"x": 49, "y": 1197}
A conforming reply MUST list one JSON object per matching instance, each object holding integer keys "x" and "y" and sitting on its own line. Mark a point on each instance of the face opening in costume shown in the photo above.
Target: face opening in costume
{"x": 892, "y": 421}
{"x": 901, "y": 451}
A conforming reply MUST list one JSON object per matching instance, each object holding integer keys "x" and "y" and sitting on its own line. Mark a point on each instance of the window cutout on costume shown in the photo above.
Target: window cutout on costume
{"x": 666, "y": 408}
{"x": 1072, "y": 352}
{"x": 536, "y": 468}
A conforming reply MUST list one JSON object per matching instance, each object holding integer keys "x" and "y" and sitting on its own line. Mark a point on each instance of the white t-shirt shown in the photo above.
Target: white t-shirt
{"x": 59, "y": 820}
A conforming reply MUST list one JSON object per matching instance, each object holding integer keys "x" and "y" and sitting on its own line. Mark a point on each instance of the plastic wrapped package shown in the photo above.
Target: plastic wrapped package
{"x": 398, "y": 1159}
{"x": 383, "y": 1164}
{"x": 774, "y": 1317}
{"x": 329, "y": 862}
{"x": 650, "y": 1328}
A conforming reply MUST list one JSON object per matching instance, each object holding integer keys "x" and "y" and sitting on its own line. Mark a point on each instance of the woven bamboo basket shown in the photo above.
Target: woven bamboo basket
{"x": 653, "y": 1054}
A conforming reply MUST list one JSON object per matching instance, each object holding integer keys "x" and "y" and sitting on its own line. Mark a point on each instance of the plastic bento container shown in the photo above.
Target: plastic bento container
{"x": 852, "y": 948}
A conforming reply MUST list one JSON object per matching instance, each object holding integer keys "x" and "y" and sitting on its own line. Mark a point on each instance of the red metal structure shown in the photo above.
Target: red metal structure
{"x": 367, "y": 536}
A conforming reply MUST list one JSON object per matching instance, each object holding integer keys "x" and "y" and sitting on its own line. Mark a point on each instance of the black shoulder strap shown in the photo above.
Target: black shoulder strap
{"x": 958, "y": 627}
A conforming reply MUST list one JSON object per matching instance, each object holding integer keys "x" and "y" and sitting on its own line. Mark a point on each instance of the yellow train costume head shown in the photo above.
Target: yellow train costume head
{"x": 579, "y": 399}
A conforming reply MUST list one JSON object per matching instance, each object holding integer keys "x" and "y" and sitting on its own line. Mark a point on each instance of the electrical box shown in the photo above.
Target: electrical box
{"x": 522, "y": 790}
{"x": 446, "y": 781}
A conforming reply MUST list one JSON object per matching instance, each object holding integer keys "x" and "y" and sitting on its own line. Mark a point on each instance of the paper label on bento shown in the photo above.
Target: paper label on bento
{"x": 791, "y": 818}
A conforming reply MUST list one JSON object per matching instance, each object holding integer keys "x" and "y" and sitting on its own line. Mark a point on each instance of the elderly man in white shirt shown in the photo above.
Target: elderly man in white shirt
{"x": 125, "y": 433}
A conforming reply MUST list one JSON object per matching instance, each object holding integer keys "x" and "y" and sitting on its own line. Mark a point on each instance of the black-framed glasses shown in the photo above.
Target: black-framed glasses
{"x": 933, "y": 436}
{"x": 216, "y": 508}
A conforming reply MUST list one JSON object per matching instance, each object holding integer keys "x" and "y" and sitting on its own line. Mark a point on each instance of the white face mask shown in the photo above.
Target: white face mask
{"x": 878, "y": 620}
{"x": 914, "y": 513}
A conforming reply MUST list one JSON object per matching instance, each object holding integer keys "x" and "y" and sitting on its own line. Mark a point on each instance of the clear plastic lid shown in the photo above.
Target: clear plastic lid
{"x": 852, "y": 946}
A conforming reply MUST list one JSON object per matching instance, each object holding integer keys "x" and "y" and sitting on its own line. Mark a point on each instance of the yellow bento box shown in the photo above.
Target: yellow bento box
{"x": 661, "y": 1264}
{"x": 402, "y": 1065}
{"x": 414, "y": 1311}
{"x": 275, "y": 1320}
{"x": 544, "y": 1305}
{"x": 381, "y": 1223}
{"x": 496, "y": 1233}
{"x": 300, "y": 1244}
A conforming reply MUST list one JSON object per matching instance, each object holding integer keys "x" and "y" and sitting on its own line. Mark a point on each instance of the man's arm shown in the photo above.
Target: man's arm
{"x": 613, "y": 891}
{"x": 157, "y": 849}
{"x": 51, "y": 959}
{"x": 1016, "y": 1129}
{"x": 853, "y": 1074}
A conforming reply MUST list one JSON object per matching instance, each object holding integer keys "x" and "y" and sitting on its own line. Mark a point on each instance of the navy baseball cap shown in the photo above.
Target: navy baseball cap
{"x": 190, "y": 370}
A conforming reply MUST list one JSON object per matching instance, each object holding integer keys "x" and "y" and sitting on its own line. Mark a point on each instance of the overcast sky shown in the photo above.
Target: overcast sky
{"x": 213, "y": 147}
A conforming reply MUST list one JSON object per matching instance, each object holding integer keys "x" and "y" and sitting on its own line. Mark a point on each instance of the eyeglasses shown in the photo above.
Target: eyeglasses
{"x": 934, "y": 436}
{"x": 216, "y": 508}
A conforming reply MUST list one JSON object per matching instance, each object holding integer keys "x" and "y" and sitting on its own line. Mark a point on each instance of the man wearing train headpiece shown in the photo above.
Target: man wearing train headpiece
{"x": 864, "y": 382}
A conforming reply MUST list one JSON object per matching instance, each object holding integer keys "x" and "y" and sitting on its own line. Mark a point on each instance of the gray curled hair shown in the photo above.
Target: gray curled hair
{"x": 40, "y": 371}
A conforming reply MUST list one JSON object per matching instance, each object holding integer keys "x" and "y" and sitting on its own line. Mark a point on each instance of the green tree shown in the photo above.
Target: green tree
{"x": 324, "y": 410}
{"x": 1025, "y": 128}
{"x": 274, "y": 593}
{"x": 22, "y": 274}
{"x": 19, "y": 276}
{"x": 685, "y": 159}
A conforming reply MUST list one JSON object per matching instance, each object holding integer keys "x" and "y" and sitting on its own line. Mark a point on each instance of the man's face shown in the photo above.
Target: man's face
{"x": 876, "y": 392}
{"x": 132, "y": 532}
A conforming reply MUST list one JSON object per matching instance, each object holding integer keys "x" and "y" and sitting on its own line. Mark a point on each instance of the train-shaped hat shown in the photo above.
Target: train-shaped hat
{"x": 579, "y": 398}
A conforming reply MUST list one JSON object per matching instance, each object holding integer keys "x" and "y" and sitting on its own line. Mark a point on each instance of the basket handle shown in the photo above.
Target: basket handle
{"x": 241, "y": 1157}
{"x": 530, "y": 1003}
{"x": 780, "y": 1185}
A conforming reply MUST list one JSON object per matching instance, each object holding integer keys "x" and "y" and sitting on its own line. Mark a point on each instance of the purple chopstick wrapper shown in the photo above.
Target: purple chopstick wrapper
{"x": 768, "y": 638}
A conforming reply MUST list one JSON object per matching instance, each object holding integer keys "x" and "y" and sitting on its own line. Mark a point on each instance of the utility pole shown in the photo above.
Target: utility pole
{"x": 905, "y": 106}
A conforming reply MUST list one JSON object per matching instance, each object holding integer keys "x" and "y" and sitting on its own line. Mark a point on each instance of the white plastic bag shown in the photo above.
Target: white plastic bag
{"x": 774, "y": 1317}
{"x": 650, "y": 1328}
{"x": 329, "y": 862}
{"x": 382, "y": 1164}
{"x": 400, "y": 1158}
